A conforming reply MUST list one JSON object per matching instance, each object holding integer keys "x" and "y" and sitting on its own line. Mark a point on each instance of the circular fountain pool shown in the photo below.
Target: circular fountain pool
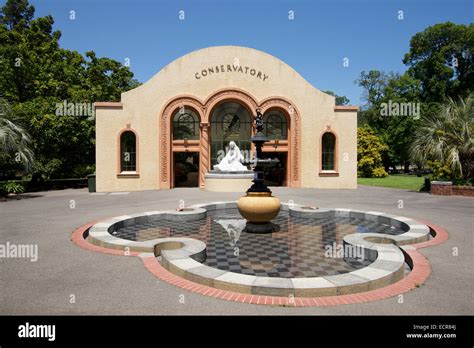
{"x": 313, "y": 252}
{"x": 301, "y": 247}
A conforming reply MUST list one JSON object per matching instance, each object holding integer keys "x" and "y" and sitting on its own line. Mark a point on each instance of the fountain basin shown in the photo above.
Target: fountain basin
{"x": 218, "y": 181}
{"x": 270, "y": 265}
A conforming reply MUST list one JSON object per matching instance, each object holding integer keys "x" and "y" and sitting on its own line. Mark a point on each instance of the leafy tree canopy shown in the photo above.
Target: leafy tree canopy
{"x": 340, "y": 99}
{"x": 382, "y": 91}
{"x": 442, "y": 58}
{"x": 16, "y": 13}
{"x": 37, "y": 75}
{"x": 441, "y": 66}
{"x": 447, "y": 137}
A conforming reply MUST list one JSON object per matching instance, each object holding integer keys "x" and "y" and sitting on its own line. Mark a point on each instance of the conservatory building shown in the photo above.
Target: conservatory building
{"x": 172, "y": 130}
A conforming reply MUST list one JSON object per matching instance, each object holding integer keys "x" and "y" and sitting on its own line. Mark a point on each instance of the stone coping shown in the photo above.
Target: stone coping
{"x": 346, "y": 108}
{"x": 108, "y": 105}
{"x": 183, "y": 256}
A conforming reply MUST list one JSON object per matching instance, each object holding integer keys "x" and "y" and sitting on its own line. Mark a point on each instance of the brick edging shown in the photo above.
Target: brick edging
{"x": 441, "y": 236}
{"x": 77, "y": 237}
{"x": 418, "y": 275}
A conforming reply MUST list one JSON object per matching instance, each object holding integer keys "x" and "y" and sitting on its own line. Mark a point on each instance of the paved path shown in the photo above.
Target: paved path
{"x": 106, "y": 284}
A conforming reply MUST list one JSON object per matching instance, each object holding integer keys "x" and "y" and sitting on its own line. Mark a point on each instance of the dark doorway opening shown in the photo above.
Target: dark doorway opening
{"x": 276, "y": 175}
{"x": 186, "y": 169}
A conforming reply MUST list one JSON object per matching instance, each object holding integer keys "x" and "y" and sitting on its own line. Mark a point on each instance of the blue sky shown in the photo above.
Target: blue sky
{"x": 150, "y": 34}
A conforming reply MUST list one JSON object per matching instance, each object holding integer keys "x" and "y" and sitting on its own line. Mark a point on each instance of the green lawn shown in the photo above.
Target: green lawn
{"x": 401, "y": 181}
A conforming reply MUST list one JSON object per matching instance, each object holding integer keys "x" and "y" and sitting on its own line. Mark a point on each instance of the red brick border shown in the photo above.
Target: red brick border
{"x": 441, "y": 236}
{"x": 420, "y": 272}
{"x": 466, "y": 191}
{"x": 448, "y": 189}
{"x": 78, "y": 238}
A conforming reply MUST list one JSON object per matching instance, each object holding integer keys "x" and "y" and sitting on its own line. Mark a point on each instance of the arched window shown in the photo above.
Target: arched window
{"x": 128, "y": 152}
{"x": 185, "y": 125}
{"x": 275, "y": 125}
{"x": 230, "y": 123}
{"x": 328, "y": 151}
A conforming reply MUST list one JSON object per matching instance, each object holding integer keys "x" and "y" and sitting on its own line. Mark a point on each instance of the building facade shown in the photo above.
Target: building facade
{"x": 171, "y": 130}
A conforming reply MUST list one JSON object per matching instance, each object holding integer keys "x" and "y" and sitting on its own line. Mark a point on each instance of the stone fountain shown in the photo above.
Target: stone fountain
{"x": 258, "y": 206}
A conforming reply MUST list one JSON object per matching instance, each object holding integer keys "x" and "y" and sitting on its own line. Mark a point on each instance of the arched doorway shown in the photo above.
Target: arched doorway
{"x": 277, "y": 129}
{"x": 284, "y": 129}
{"x": 185, "y": 147}
{"x": 225, "y": 109}
{"x": 230, "y": 121}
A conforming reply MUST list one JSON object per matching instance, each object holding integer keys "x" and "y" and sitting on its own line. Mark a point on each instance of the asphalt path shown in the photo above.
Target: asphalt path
{"x": 67, "y": 279}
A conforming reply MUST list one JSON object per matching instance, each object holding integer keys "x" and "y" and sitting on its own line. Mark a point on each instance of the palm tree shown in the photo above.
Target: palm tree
{"x": 14, "y": 138}
{"x": 447, "y": 137}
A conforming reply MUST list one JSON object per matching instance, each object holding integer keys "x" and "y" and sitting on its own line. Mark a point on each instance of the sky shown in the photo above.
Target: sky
{"x": 150, "y": 34}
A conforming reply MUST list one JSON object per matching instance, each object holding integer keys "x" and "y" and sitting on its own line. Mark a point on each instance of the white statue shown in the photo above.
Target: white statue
{"x": 232, "y": 162}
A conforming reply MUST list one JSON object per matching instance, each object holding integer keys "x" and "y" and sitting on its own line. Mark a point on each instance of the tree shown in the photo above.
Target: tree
{"x": 442, "y": 58}
{"x": 14, "y": 140}
{"x": 398, "y": 130}
{"x": 63, "y": 144}
{"x": 37, "y": 75}
{"x": 440, "y": 64}
{"x": 16, "y": 12}
{"x": 340, "y": 99}
{"x": 369, "y": 154}
{"x": 446, "y": 137}
{"x": 373, "y": 85}
{"x": 384, "y": 90}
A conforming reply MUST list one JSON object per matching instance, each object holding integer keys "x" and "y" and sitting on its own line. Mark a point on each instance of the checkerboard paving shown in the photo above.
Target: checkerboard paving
{"x": 298, "y": 249}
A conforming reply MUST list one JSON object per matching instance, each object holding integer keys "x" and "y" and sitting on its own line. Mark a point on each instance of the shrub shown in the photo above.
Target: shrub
{"x": 379, "y": 172}
{"x": 441, "y": 172}
{"x": 82, "y": 170}
{"x": 11, "y": 187}
{"x": 463, "y": 182}
{"x": 369, "y": 153}
{"x": 446, "y": 136}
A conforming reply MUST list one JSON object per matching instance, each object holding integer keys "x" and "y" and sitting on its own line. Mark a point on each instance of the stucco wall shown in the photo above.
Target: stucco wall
{"x": 142, "y": 108}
